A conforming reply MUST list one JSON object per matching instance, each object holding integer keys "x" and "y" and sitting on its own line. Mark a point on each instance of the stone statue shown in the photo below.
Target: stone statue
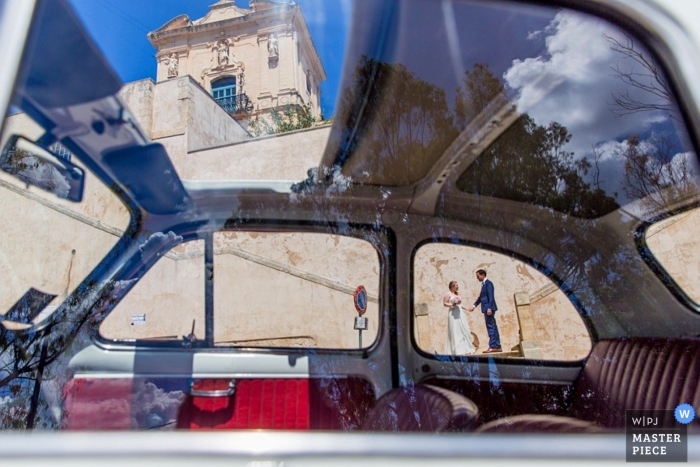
{"x": 222, "y": 50}
{"x": 273, "y": 46}
{"x": 172, "y": 65}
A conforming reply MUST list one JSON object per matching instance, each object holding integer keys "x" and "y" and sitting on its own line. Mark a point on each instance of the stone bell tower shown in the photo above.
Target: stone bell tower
{"x": 249, "y": 60}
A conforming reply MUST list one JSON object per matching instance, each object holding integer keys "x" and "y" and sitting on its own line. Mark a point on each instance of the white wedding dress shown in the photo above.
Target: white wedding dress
{"x": 459, "y": 337}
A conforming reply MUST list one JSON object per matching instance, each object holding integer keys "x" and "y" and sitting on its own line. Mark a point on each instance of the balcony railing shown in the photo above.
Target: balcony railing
{"x": 235, "y": 104}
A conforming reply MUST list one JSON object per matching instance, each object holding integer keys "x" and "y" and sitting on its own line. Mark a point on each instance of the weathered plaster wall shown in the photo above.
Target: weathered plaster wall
{"x": 674, "y": 242}
{"x": 56, "y": 244}
{"x": 138, "y": 96}
{"x": 170, "y": 295}
{"x": 278, "y": 157}
{"x": 170, "y": 112}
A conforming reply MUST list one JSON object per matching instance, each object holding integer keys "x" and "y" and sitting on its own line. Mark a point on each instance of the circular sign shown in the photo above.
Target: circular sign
{"x": 360, "y": 297}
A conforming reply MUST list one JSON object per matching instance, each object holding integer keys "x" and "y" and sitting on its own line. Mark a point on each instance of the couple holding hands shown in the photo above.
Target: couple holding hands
{"x": 459, "y": 338}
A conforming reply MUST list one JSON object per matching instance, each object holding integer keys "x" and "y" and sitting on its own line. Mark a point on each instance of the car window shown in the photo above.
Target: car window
{"x": 672, "y": 242}
{"x": 167, "y": 303}
{"x": 535, "y": 318}
{"x": 349, "y": 215}
{"x": 555, "y": 152}
{"x": 293, "y": 290}
{"x": 49, "y": 243}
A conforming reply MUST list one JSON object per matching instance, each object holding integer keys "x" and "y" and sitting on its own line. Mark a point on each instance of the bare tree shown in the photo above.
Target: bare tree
{"x": 656, "y": 173}
{"x": 645, "y": 75}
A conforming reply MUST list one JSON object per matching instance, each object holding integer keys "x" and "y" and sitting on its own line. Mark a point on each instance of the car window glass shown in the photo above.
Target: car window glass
{"x": 532, "y": 117}
{"x": 50, "y": 244}
{"x": 167, "y": 303}
{"x": 293, "y": 290}
{"x": 590, "y": 129}
{"x": 256, "y": 91}
{"x": 673, "y": 241}
{"x": 214, "y": 282}
{"x": 535, "y": 319}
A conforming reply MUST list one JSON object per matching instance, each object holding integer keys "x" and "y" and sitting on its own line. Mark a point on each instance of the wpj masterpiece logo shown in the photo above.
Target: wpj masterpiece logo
{"x": 658, "y": 435}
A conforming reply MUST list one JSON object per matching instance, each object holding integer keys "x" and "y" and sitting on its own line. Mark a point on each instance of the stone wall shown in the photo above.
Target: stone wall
{"x": 269, "y": 289}
{"x": 180, "y": 107}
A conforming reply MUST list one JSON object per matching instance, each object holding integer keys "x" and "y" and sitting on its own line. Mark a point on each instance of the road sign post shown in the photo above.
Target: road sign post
{"x": 360, "y": 299}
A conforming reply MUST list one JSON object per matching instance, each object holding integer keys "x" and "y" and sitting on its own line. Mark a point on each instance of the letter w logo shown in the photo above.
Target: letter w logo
{"x": 684, "y": 413}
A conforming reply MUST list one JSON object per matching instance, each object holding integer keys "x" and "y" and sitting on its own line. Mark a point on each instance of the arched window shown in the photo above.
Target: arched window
{"x": 224, "y": 92}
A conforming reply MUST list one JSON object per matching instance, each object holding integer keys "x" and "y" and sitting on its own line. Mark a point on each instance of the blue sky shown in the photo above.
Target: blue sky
{"x": 120, "y": 28}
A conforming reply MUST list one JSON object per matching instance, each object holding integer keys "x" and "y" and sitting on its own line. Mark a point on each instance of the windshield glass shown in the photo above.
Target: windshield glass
{"x": 48, "y": 247}
{"x": 347, "y": 215}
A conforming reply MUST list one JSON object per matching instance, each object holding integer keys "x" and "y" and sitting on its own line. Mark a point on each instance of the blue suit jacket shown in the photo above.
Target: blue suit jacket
{"x": 486, "y": 297}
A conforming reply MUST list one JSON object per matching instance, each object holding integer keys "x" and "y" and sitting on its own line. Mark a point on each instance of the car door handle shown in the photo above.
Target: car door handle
{"x": 210, "y": 388}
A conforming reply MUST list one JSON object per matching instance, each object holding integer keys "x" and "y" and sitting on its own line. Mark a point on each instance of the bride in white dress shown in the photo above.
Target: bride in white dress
{"x": 459, "y": 337}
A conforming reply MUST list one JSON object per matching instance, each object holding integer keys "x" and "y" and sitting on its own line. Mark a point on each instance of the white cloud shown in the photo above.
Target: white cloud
{"x": 156, "y": 240}
{"x": 611, "y": 165}
{"x": 153, "y": 407}
{"x": 573, "y": 83}
{"x": 142, "y": 406}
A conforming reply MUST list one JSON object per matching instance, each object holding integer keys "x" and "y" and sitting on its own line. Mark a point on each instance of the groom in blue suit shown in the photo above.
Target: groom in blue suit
{"x": 488, "y": 308}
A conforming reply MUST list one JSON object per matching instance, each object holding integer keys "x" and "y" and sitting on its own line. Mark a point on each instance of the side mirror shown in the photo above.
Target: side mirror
{"x": 41, "y": 168}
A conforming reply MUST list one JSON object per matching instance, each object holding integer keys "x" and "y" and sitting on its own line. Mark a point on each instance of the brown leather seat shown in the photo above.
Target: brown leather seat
{"x": 647, "y": 374}
{"x": 421, "y": 408}
{"x": 637, "y": 374}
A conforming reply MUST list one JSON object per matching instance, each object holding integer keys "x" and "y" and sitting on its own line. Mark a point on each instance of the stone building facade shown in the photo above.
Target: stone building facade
{"x": 250, "y": 60}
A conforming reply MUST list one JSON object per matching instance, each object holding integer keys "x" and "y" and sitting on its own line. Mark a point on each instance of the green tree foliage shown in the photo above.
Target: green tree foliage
{"x": 399, "y": 118}
{"x": 527, "y": 163}
{"x": 290, "y": 118}
{"x": 480, "y": 89}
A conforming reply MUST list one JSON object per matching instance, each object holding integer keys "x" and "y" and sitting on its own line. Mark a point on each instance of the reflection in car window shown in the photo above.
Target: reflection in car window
{"x": 594, "y": 128}
{"x": 537, "y": 118}
{"x": 58, "y": 242}
{"x": 674, "y": 244}
{"x": 293, "y": 290}
{"x": 167, "y": 303}
{"x": 470, "y": 135}
{"x": 535, "y": 319}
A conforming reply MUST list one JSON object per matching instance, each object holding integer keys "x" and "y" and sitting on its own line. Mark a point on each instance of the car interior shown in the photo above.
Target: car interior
{"x": 568, "y": 172}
